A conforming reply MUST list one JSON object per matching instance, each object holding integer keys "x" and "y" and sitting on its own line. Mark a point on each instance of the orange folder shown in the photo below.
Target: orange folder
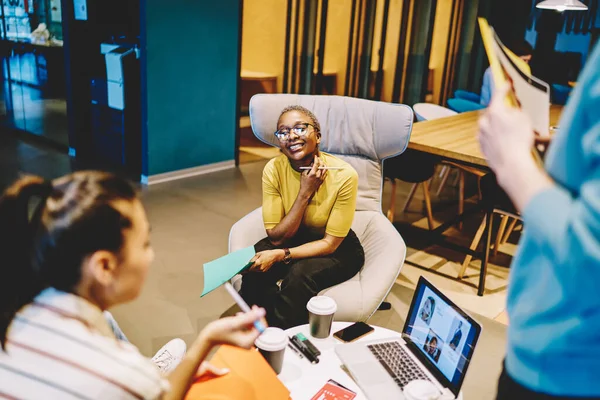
{"x": 250, "y": 377}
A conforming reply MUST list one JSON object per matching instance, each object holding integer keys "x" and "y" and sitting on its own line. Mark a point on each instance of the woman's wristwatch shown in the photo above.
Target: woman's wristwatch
{"x": 288, "y": 256}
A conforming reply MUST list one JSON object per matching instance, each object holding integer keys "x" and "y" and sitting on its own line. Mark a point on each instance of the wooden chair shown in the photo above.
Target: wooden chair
{"x": 495, "y": 202}
{"x": 423, "y": 112}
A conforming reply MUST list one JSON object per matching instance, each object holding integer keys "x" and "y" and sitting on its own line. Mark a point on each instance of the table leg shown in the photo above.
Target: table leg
{"x": 428, "y": 205}
{"x": 510, "y": 229}
{"x": 474, "y": 245}
{"x": 461, "y": 196}
{"x": 486, "y": 254}
{"x": 500, "y": 233}
{"x": 445, "y": 174}
{"x": 411, "y": 194}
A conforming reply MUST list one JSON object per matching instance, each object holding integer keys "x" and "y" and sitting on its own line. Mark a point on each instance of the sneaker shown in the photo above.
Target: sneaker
{"x": 169, "y": 356}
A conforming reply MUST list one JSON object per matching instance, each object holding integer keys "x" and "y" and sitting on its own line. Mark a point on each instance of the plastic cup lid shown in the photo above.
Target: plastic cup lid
{"x": 421, "y": 390}
{"x": 272, "y": 339}
{"x": 322, "y": 305}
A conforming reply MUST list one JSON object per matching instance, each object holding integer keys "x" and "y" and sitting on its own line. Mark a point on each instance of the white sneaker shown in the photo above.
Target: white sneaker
{"x": 169, "y": 356}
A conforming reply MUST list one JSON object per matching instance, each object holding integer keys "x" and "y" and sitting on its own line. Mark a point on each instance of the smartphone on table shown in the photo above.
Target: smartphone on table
{"x": 353, "y": 332}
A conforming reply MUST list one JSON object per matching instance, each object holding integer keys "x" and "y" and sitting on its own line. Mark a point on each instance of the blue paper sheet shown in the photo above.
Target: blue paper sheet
{"x": 222, "y": 269}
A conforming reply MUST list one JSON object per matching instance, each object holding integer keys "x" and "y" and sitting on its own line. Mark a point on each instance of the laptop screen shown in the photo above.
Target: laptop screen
{"x": 441, "y": 333}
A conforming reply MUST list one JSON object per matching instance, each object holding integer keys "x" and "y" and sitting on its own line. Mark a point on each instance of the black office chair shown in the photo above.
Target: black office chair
{"x": 413, "y": 167}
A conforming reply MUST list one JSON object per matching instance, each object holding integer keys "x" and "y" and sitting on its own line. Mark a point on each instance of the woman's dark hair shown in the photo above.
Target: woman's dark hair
{"x": 432, "y": 301}
{"x": 75, "y": 217}
{"x": 521, "y": 48}
{"x": 305, "y": 111}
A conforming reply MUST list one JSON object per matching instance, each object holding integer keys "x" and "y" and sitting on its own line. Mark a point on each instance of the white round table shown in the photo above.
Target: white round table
{"x": 304, "y": 379}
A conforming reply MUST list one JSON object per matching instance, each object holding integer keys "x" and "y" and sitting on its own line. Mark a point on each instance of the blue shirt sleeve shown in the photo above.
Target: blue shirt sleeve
{"x": 567, "y": 225}
{"x": 565, "y": 219}
{"x": 487, "y": 88}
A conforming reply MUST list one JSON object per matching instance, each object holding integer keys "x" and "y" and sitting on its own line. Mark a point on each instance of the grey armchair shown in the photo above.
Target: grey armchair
{"x": 363, "y": 133}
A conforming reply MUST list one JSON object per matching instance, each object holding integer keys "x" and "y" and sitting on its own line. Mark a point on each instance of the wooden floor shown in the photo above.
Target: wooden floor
{"x": 440, "y": 265}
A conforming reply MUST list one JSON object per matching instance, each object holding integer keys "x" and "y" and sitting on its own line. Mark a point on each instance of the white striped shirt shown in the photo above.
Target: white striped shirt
{"x": 61, "y": 347}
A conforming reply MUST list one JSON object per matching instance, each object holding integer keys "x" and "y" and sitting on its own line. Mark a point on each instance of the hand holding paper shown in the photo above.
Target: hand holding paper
{"x": 529, "y": 93}
{"x": 524, "y": 91}
{"x": 505, "y": 133}
{"x": 506, "y": 139}
{"x": 221, "y": 270}
{"x": 264, "y": 260}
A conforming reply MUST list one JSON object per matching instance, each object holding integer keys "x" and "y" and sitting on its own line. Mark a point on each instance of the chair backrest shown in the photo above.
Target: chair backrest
{"x": 428, "y": 111}
{"x": 462, "y": 105}
{"x": 361, "y": 132}
{"x": 466, "y": 95}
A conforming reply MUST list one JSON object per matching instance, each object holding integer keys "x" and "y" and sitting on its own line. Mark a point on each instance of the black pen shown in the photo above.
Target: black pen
{"x": 298, "y": 353}
{"x": 304, "y": 350}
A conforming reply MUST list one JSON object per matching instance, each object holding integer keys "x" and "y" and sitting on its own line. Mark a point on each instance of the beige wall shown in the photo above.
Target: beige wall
{"x": 263, "y": 41}
{"x": 391, "y": 45}
{"x": 263, "y": 37}
{"x": 439, "y": 44}
{"x": 391, "y": 48}
{"x": 336, "y": 40}
{"x": 377, "y": 36}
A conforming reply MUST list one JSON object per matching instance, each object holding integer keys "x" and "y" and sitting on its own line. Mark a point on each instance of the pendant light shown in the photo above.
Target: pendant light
{"x": 562, "y": 5}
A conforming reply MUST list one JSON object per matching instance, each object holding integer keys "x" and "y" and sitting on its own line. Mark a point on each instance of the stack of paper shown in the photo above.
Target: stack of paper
{"x": 529, "y": 93}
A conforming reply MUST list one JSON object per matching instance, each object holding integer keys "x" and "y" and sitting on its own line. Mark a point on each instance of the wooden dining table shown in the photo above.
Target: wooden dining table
{"x": 455, "y": 138}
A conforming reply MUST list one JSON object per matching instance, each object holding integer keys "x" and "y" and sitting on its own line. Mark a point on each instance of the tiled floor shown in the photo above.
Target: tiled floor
{"x": 190, "y": 222}
{"x": 27, "y": 157}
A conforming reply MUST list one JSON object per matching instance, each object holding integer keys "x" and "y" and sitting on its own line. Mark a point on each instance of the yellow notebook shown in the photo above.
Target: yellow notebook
{"x": 250, "y": 377}
{"x": 528, "y": 93}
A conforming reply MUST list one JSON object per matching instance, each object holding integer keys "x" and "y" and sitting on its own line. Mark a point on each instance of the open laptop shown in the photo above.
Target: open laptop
{"x": 437, "y": 344}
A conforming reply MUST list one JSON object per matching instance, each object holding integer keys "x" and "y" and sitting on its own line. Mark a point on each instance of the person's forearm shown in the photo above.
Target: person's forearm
{"x": 318, "y": 248}
{"x": 183, "y": 376}
{"x": 523, "y": 180}
{"x": 289, "y": 225}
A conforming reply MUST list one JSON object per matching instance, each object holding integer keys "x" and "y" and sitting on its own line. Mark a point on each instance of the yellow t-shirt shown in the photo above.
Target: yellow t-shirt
{"x": 331, "y": 210}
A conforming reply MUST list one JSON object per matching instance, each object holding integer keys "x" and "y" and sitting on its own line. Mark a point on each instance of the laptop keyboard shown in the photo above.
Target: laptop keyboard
{"x": 397, "y": 362}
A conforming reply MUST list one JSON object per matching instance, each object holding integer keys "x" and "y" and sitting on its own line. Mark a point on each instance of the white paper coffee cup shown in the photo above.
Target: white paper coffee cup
{"x": 271, "y": 344}
{"x": 421, "y": 390}
{"x": 321, "y": 310}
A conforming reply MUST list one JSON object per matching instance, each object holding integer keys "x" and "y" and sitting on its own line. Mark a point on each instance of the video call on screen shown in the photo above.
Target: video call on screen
{"x": 440, "y": 333}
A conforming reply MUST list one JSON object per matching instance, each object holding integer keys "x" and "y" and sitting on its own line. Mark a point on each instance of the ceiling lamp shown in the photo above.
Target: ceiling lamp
{"x": 562, "y": 5}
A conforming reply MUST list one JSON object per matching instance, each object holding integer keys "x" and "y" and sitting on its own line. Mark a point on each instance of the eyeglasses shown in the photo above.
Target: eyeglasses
{"x": 299, "y": 130}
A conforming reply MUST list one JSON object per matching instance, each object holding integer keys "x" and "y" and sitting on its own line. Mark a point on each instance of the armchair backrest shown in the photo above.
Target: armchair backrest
{"x": 361, "y": 132}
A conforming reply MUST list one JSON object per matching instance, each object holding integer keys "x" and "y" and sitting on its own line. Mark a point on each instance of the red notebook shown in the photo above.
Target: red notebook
{"x": 334, "y": 391}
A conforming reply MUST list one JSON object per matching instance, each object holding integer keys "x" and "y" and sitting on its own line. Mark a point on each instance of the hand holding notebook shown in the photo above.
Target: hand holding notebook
{"x": 221, "y": 270}
{"x": 525, "y": 92}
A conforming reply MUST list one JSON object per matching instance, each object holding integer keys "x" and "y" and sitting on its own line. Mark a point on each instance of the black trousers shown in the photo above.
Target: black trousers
{"x": 509, "y": 389}
{"x": 301, "y": 279}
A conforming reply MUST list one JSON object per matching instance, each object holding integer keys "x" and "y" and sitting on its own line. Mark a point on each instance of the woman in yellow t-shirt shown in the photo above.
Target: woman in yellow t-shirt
{"x": 307, "y": 215}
